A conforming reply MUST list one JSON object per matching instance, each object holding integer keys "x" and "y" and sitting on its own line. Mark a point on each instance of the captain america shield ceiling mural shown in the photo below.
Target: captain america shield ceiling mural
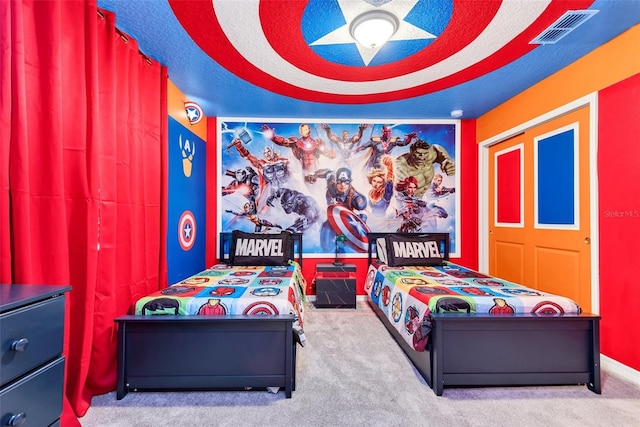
{"x": 304, "y": 49}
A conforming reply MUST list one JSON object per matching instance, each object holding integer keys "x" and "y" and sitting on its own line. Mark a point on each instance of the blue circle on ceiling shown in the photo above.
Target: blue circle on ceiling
{"x": 321, "y": 17}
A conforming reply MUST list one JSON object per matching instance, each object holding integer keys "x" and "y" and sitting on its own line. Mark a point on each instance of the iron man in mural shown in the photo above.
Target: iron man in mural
{"x": 304, "y": 148}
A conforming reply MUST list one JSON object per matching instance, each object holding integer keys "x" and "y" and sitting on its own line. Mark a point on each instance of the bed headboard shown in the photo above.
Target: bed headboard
{"x": 227, "y": 237}
{"x": 443, "y": 240}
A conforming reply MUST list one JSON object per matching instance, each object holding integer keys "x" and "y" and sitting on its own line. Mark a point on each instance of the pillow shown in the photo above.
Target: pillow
{"x": 260, "y": 248}
{"x": 381, "y": 250}
{"x": 416, "y": 250}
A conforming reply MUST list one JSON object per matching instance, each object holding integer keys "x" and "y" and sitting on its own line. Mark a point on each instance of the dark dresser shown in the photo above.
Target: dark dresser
{"x": 31, "y": 361}
{"x": 335, "y": 285}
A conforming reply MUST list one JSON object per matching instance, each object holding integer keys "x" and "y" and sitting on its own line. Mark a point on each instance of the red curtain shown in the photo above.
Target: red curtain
{"x": 83, "y": 187}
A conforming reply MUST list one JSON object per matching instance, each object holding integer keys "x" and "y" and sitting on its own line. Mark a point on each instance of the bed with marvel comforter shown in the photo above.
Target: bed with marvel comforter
{"x": 235, "y": 325}
{"x": 463, "y": 328}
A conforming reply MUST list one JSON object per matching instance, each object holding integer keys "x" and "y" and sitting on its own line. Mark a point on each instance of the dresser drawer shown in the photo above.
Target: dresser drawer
{"x": 37, "y": 397}
{"x": 30, "y": 336}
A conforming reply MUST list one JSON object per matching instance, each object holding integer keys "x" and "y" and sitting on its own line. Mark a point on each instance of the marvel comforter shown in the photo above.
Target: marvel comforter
{"x": 226, "y": 290}
{"x": 408, "y": 296}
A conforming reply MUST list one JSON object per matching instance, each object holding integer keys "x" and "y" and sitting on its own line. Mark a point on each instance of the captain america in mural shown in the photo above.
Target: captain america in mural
{"x": 345, "y": 209}
{"x": 321, "y": 197}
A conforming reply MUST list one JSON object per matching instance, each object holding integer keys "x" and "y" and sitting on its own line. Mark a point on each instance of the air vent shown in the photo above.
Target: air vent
{"x": 568, "y": 22}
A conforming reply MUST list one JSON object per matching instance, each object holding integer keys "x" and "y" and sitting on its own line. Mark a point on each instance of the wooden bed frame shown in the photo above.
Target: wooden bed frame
{"x": 473, "y": 350}
{"x": 224, "y": 353}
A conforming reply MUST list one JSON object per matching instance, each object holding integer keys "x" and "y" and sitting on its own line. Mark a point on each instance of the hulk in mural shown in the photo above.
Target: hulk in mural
{"x": 419, "y": 161}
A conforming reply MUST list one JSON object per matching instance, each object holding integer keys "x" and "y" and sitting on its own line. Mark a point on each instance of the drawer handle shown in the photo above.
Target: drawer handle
{"x": 20, "y": 345}
{"x": 16, "y": 420}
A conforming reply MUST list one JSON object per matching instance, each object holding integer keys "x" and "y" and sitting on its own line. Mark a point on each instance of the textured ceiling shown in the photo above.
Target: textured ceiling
{"x": 295, "y": 59}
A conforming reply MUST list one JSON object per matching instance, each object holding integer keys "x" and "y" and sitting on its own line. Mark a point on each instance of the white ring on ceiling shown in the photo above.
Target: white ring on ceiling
{"x": 511, "y": 19}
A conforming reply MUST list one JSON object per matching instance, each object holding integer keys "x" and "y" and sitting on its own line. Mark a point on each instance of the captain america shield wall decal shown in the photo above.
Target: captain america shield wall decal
{"x": 194, "y": 112}
{"x": 300, "y": 48}
{"x": 187, "y": 230}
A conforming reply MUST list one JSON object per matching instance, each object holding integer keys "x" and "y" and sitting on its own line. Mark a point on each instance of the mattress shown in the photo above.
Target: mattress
{"x": 409, "y": 295}
{"x": 226, "y": 290}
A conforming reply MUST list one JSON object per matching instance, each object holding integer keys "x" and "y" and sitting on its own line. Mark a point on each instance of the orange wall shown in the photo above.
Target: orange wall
{"x": 612, "y": 69}
{"x": 175, "y": 107}
{"x": 609, "y": 64}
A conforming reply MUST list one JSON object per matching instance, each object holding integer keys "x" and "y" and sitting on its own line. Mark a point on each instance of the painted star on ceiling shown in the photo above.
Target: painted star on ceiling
{"x": 351, "y": 10}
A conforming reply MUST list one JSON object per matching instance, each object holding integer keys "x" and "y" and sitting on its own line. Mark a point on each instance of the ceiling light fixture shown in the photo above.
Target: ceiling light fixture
{"x": 456, "y": 114}
{"x": 374, "y": 28}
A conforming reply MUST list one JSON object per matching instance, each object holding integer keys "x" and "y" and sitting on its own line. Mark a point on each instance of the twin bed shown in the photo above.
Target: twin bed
{"x": 235, "y": 325}
{"x": 462, "y": 328}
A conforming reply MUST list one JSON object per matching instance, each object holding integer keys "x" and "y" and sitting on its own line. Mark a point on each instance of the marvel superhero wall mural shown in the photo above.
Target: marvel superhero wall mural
{"x": 330, "y": 178}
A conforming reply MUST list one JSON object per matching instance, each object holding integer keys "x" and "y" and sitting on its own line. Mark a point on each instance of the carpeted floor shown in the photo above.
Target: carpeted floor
{"x": 352, "y": 373}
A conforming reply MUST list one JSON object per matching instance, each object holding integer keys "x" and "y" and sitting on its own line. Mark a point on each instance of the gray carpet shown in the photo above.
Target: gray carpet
{"x": 352, "y": 373}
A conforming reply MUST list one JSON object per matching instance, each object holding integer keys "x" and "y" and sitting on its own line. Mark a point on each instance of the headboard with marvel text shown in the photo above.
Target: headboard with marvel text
{"x": 242, "y": 248}
{"x": 426, "y": 244}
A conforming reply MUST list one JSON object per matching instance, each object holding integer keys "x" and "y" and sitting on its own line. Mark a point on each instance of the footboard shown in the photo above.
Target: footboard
{"x": 205, "y": 353}
{"x": 481, "y": 350}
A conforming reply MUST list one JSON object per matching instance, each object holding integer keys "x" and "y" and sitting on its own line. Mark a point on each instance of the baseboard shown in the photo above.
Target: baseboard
{"x": 620, "y": 369}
